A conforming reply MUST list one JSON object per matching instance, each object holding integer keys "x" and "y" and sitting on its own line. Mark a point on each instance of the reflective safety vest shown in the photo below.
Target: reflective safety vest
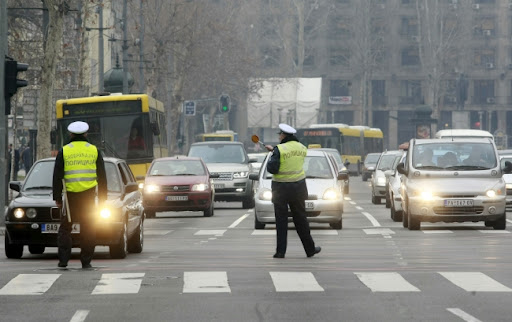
{"x": 80, "y": 166}
{"x": 291, "y": 162}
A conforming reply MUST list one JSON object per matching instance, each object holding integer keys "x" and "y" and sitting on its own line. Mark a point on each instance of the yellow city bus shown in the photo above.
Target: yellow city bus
{"x": 115, "y": 121}
{"x": 353, "y": 142}
{"x": 220, "y": 135}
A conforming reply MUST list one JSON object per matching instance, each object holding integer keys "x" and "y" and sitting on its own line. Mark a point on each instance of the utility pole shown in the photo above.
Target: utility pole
{"x": 142, "y": 85}
{"x": 101, "y": 69}
{"x": 3, "y": 118}
{"x": 125, "y": 47}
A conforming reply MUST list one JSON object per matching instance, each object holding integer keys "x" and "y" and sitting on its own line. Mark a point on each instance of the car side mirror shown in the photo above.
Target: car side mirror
{"x": 401, "y": 168}
{"x": 214, "y": 175}
{"x": 253, "y": 160}
{"x": 342, "y": 176}
{"x": 254, "y": 176}
{"x": 15, "y": 185}
{"x": 388, "y": 173}
{"x": 131, "y": 187}
{"x": 346, "y": 163}
{"x": 508, "y": 167}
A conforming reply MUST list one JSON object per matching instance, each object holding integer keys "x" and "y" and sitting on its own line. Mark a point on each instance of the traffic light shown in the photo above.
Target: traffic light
{"x": 224, "y": 103}
{"x": 12, "y": 68}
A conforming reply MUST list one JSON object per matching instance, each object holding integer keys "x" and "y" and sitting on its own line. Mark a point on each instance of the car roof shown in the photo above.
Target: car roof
{"x": 315, "y": 153}
{"x": 217, "y": 143}
{"x": 504, "y": 152}
{"x": 447, "y": 140}
{"x": 395, "y": 152}
{"x": 178, "y": 157}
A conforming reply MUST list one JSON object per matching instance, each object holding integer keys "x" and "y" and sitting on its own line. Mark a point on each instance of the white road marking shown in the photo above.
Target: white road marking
{"x": 386, "y": 282}
{"x": 359, "y": 208}
{"x": 205, "y": 282}
{"x": 509, "y": 220}
{"x": 324, "y": 232}
{"x": 374, "y": 221}
{"x": 250, "y": 210}
{"x": 475, "y": 282}
{"x": 259, "y": 232}
{"x": 239, "y": 220}
{"x": 437, "y": 231}
{"x": 119, "y": 283}
{"x": 79, "y": 316}
{"x": 494, "y": 231}
{"x": 156, "y": 232}
{"x": 29, "y": 284}
{"x": 381, "y": 231}
{"x": 211, "y": 232}
{"x": 295, "y": 282}
{"x": 347, "y": 198}
{"x": 463, "y": 315}
{"x": 352, "y": 202}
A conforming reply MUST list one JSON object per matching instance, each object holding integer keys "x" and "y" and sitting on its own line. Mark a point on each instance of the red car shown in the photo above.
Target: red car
{"x": 178, "y": 184}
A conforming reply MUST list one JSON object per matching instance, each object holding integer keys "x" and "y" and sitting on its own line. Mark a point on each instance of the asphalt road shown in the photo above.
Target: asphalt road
{"x": 220, "y": 269}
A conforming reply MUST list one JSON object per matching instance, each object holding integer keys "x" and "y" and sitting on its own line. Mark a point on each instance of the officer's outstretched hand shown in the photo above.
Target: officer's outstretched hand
{"x": 269, "y": 147}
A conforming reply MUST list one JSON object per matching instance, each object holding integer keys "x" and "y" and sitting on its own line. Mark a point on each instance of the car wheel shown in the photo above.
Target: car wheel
{"x": 488, "y": 223}
{"x": 375, "y": 200}
{"x": 209, "y": 212}
{"x": 36, "y": 249}
{"x": 501, "y": 223}
{"x": 248, "y": 203}
{"x": 119, "y": 250}
{"x": 12, "y": 251}
{"x": 414, "y": 223}
{"x": 258, "y": 224}
{"x": 388, "y": 201}
{"x": 150, "y": 213}
{"x": 405, "y": 219}
{"x": 337, "y": 225}
{"x": 136, "y": 242}
{"x": 364, "y": 177}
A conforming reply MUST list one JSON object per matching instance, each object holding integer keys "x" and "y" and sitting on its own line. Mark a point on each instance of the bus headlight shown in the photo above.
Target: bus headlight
{"x": 151, "y": 188}
{"x": 266, "y": 195}
{"x": 18, "y": 213}
{"x": 240, "y": 174}
{"x": 200, "y": 187}
{"x": 331, "y": 194}
{"x": 105, "y": 213}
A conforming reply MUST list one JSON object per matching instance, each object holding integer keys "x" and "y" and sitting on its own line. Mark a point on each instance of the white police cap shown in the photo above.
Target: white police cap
{"x": 285, "y": 128}
{"x": 78, "y": 127}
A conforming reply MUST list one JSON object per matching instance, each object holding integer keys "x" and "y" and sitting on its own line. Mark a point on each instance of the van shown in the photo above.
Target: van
{"x": 463, "y": 133}
{"x": 453, "y": 181}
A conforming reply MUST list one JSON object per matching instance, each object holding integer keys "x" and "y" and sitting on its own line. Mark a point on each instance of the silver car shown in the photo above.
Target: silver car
{"x": 259, "y": 158}
{"x": 378, "y": 181}
{"x": 393, "y": 192}
{"x": 507, "y": 177}
{"x": 325, "y": 192}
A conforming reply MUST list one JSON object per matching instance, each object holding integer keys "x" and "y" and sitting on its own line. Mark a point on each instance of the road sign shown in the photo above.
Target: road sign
{"x": 190, "y": 108}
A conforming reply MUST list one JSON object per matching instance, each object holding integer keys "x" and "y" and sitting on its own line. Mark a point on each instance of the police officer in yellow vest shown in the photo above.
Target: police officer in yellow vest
{"x": 81, "y": 166}
{"x": 289, "y": 189}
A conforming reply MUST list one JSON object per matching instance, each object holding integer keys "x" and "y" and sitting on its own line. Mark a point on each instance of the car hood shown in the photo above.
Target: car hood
{"x": 175, "y": 180}
{"x": 44, "y": 198}
{"x": 459, "y": 186}
{"x": 227, "y": 167}
{"x": 315, "y": 186}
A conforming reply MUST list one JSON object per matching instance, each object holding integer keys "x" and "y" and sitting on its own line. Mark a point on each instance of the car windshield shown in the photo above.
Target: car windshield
{"x": 372, "y": 158}
{"x": 177, "y": 168}
{"x": 454, "y": 156}
{"x": 316, "y": 167}
{"x": 219, "y": 153}
{"x": 41, "y": 176}
{"x": 336, "y": 157}
{"x": 386, "y": 162}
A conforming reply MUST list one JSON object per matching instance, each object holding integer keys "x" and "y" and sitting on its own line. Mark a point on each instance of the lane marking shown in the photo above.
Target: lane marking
{"x": 372, "y": 219}
{"x": 211, "y": 232}
{"x": 359, "y": 208}
{"x": 437, "y": 231}
{"x": 463, "y": 315}
{"x": 261, "y": 232}
{"x": 386, "y": 282}
{"x": 205, "y": 282}
{"x": 79, "y": 316}
{"x": 475, "y": 282}
{"x": 494, "y": 231}
{"x": 347, "y": 198}
{"x": 29, "y": 284}
{"x": 258, "y": 232}
{"x": 156, "y": 232}
{"x": 381, "y": 231}
{"x": 239, "y": 220}
{"x": 509, "y": 220}
{"x": 119, "y": 283}
{"x": 295, "y": 282}
{"x": 352, "y": 202}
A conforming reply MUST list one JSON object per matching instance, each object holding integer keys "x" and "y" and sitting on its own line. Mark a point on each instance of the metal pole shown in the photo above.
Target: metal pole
{"x": 125, "y": 48}
{"x": 142, "y": 85}
{"x": 101, "y": 68}
{"x": 3, "y": 117}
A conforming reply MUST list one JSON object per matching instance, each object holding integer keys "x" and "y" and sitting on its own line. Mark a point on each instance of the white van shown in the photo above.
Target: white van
{"x": 463, "y": 133}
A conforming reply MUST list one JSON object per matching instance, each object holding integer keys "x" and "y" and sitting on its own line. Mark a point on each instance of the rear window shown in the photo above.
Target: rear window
{"x": 372, "y": 158}
{"x": 219, "y": 153}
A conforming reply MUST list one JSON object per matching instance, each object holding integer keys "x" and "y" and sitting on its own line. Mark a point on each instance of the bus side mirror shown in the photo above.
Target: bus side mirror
{"x": 53, "y": 137}
{"x": 154, "y": 128}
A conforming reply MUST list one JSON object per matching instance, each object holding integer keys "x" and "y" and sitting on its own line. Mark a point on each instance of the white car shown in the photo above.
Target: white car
{"x": 325, "y": 192}
{"x": 260, "y": 157}
{"x": 393, "y": 191}
{"x": 378, "y": 181}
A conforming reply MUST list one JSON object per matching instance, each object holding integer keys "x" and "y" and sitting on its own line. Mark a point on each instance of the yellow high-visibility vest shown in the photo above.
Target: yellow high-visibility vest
{"x": 80, "y": 166}
{"x": 291, "y": 162}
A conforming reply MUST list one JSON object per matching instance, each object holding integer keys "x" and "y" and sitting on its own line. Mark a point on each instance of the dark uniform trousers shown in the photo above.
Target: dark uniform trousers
{"x": 83, "y": 209}
{"x": 295, "y": 195}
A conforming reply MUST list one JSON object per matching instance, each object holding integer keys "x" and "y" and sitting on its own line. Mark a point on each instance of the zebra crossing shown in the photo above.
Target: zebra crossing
{"x": 218, "y": 282}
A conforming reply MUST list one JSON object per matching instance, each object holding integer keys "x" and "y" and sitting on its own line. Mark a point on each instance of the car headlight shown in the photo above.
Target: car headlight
{"x": 105, "y": 213}
{"x": 426, "y": 195}
{"x": 151, "y": 188}
{"x": 491, "y": 193}
{"x": 240, "y": 174}
{"x": 200, "y": 187}
{"x": 141, "y": 185}
{"x": 31, "y": 213}
{"x": 381, "y": 181}
{"x": 265, "y": 195}
{"x": 331, "y": 194}
{"x": 18, "y": 213}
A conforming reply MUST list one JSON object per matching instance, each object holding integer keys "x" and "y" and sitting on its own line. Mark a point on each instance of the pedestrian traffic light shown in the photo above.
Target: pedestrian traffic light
{"x": 224, "y": 103}
{"x": 12, "y": 68}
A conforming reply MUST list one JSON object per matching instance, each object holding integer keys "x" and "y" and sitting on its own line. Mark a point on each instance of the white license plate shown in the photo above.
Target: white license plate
{"x": 176, "y": 198}
{"x": 218, "y": 186}
{"x": 458, "y": 203}
{"x": 54, "y": 228}
{"x": 310, "y": 205}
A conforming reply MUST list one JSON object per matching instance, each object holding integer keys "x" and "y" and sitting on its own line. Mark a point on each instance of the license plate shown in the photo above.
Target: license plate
{"x": 310, "y": 205}
{"x": 54, "y": 228}
{"x": 176, "y": 198}
{"x": 458, "y": 203}
{"x": 218, "y": 186}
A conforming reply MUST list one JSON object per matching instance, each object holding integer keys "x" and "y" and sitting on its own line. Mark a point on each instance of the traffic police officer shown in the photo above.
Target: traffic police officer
{"x": 289, "y": 189}
{"x": 81, "y": 166}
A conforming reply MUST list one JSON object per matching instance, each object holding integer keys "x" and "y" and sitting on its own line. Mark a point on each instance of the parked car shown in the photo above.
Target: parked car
{"x": 378, "y": 180}
{"x": 453, "y": 180}
{"x": 230, "y": 161}
{"x": 260, "y": 157}
{"x": 342, "y": 167}
{"x": 370, "y": 161}
{"x": 393, "y": 191}
{"x": 325, "y": 189}
{"x": 178, "y": 184}
{"x": 33, "y": 218}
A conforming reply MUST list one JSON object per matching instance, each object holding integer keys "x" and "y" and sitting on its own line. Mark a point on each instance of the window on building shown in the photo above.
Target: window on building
{"x": 339, "y": 57}
{"x": 379, "y": 98}
{"x": 409, "y": 26}
{"x": 338, "y": 26}
{"x": 484, "y": 27}
{"x": 410, "y": 92}
{"x": 483, "y": 92}
{"x": 484, "y": 58}
{"x": 340, "y": 87}
{"x": 450, "y": 97}
{"x": 410, "y": 56}
{"x": 271, "y": 56}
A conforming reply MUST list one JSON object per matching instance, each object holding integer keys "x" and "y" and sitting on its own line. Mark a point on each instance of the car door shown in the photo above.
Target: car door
{"x": 131, "y": 200}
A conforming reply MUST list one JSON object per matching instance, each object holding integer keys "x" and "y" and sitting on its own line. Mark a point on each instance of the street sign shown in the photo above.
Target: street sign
{"x": 190, "y": 108}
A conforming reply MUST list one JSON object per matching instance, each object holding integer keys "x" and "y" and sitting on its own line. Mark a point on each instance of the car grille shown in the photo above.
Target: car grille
{"x": 312, "y": 197}
{"x": 457, "y": 196}
{"x": 224, "y": 176}
{"x": 458, "y": 210}
{"x": 175, "y": 188}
